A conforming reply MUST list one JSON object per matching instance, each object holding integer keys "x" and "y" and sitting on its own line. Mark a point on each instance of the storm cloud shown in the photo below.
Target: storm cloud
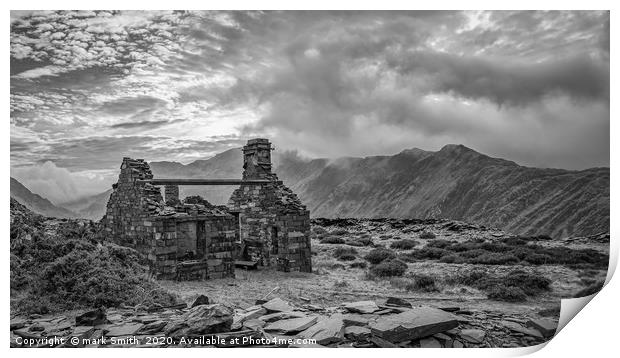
{"x": 88, "y": 88}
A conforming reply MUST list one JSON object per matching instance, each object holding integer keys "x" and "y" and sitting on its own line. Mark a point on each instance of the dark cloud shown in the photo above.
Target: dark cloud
{"x": 88, "y": 88}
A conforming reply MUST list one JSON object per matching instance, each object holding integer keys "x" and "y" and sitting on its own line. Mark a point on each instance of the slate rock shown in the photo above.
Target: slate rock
{"x": 91, "y": 318}
{"x": 413, "y": 324}
{"x": 17, "y": 323}
{"x": 201, "y": 320}
{"x": 277, "y": 316}
{"x": 357, "y": 333}
{"x": 277, "y": 305}
{"x": 362, "y": 307}
{"x": 129, "y": 329}
{"x": 36, "y": 328}
{"x": 513, "y": 326}
{"x": 254, "y": 324}
{"x": 473, "y": 335}
{"x": 430, "y": 343}
{"x": 154, "y": 327}
{"x": 200, "y": 300}
{"x": 395, "y": 301}
{"x": 546, "y": 327}
{"x": 289, "y": 326}
{"x": 356, "y": 320}
{"x": 330, "y": 330}
{"x": 457, "y": 344}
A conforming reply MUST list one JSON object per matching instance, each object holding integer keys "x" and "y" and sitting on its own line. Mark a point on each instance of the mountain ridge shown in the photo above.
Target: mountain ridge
{"x": 36, "y": 202}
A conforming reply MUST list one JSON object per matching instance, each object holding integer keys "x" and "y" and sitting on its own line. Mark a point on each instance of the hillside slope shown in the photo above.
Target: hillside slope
{"x": 37, "y": 203}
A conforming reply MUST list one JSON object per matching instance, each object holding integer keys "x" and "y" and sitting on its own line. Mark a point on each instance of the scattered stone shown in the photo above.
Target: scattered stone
{"x": 395, "y": 301}
{"x": 17, "y": 323}
{"x": 473, "y": 335}
{"x": 413, "y": 324}
{"x": 457, "y": 344}
{"x": 430, "y": 343}
{"x": 253, "y": 324}
{"x": 154, "y": 327}
{"x": 91, "y": 318}
{"x": 362, "y": 307}
{"x": 357, "y": 333}
{"x": 36, "y": 328}
{"x": 201, "y": 320}
{"x": 442, "y": 336}
{"x": 277, "y": 305}
{"x": 124, "y": 330}
{"x": 513, "y": 326}
{"x": 382, "y": 343}
{"x": 327, "y": 331}
{"x": 200, "y": 300}
{"x": 289, "y": 326}
{"x": 355, "y": 320}
{"x": 237, "y": 339}
{"x": 25, "y": 334}
{"x": 546, "y": 327}
{"x": 280, "y": 316}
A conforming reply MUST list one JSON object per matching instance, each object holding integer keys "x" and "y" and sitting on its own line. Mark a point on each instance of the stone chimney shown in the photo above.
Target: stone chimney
{"x": 257, "y": 159}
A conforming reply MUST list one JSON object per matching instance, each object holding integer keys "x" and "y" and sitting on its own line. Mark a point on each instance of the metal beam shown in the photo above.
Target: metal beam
{"x": 208, "y": 181}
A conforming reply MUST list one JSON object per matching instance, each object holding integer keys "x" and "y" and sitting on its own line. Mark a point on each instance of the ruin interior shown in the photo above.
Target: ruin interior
{"x": 263, "y": 224}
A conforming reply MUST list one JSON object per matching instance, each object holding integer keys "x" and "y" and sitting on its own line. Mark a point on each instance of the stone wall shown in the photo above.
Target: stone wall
{"x": 131, "y": 204}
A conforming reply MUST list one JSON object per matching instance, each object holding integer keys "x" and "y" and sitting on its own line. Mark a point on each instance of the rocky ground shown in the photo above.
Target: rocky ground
{"x": 344, "y": 303}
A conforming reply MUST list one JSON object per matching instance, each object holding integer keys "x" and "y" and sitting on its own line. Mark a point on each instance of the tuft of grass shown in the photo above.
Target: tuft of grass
{"x": 332, "y": 240}
{"x": 514, "y": 286}
{"x": 506, "y": 293}
{"x": 427, "y": 235}
{"x": 358, "y": 264}
{"x": 378, "y": 255}
{"x": 389, "y": 268}
{"x": 404, "y": 244}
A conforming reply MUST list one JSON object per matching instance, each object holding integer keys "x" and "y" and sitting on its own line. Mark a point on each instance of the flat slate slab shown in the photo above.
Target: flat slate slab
{"x": 546, "y": 327}
{"x": 277, "y": 305}
{"x": 357, "y": 333}
{"x": 330, "y": 330}
{"x": 362, "y": 307}
{"x": 289, "y": 326}
{"x": 473, "y": 335}
{"x": 413, "y": 324}
{"x": 513, "y": 326}
{"x": 280, "y": 316}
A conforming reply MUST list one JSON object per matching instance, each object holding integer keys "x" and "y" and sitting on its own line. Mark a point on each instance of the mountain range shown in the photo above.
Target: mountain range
{"x": 455, "y": 182}
{"x": 37, "y": 203}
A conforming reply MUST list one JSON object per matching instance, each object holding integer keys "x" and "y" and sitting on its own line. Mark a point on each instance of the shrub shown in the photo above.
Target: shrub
{"x": 339, "y": 232}
{"x": 506, "y": 293}
{"x": 537, "y": 259}
{"x": 442, "y": 244}
{"x": 364, "y": 240}
{"x": 491, "y": 258}
{"x": 453, "y": 259}
{"x": 427, "y": 235}
{"x": 389, "y": 268}
{"x": 358, "y": 264}
{"x": 340, "y": 251}
{"x": 531, "y": 283}
{"x": 404, "y": 244}
{"x": 430, "y": 253}
{"x": 424, "y": 283}
{"x": 378, "y": 255}
{"x": 331, "y": 240}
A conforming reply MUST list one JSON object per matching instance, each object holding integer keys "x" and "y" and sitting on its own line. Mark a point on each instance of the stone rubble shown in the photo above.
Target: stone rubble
{"x": 425, "y": 327}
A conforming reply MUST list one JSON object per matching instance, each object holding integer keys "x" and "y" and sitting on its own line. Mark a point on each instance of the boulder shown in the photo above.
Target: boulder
{"x": 290, "y": 326}
{"x": 201, "y": 320}
{"x": 545, "y": 326}
{"x": 91, "y": 318}
{"x": 413, "y": 324}
{"x": 362, "y": 307}
{"x": 277, "y": 305}
{"x": 200, "y": 300}
{"x": 473, "y": 335}
{"x": 330, "y": 330}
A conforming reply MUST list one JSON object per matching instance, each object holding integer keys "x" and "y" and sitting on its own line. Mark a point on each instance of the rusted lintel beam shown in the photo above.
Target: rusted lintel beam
{"x": 209, "y": 181}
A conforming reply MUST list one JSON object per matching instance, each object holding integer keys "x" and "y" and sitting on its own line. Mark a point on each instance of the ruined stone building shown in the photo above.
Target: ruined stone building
{"x": 264, "y": 222}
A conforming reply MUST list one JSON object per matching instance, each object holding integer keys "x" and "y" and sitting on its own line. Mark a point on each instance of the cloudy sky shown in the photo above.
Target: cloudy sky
{"x": 90, "y": 87}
